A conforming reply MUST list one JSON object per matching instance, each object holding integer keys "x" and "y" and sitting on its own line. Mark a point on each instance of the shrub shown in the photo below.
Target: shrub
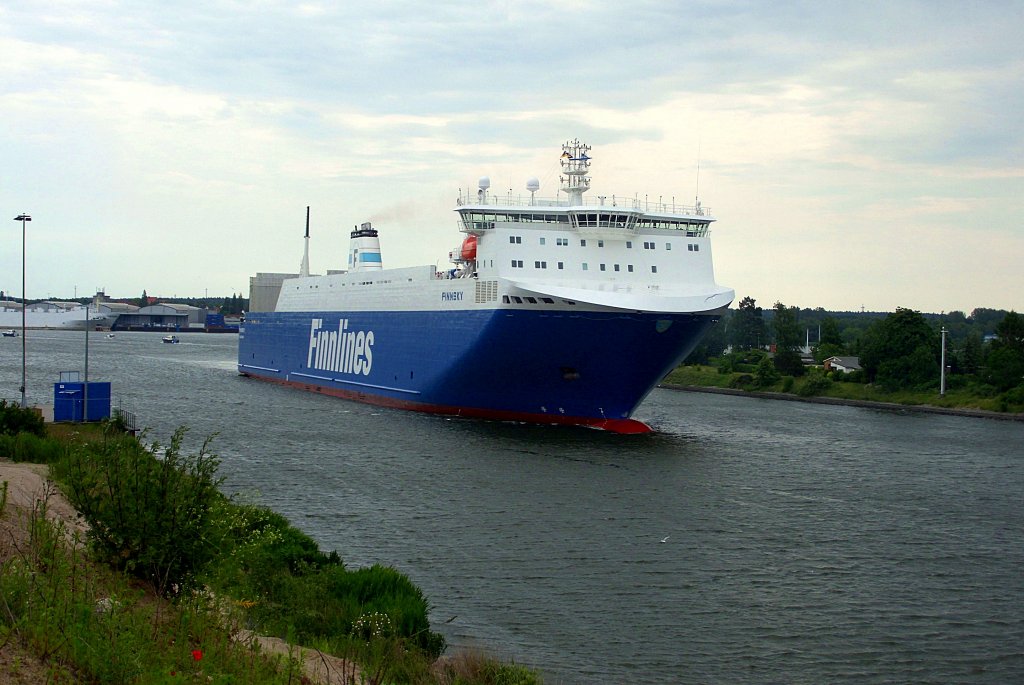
{"x": 14, "y": 420}
{"x": 815, "y": 384}
{"x": 742, "y": 381}
{"x": 147, "y": 516}
{"x": 31, "y": 448}
{"x": 766, "y": 374}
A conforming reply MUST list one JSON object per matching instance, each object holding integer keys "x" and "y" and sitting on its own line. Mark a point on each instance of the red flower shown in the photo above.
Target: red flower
{"x": 197, "y": 654}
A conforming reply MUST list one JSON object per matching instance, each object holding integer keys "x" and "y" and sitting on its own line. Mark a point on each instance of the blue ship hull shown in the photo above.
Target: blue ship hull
{"x": 565, "y": 367}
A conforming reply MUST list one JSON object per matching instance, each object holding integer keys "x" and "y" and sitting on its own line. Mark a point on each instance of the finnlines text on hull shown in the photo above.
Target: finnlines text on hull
{"x": 341, "y": 351}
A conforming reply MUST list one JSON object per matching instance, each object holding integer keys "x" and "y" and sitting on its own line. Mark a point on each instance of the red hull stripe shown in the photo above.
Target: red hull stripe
{"x": 623, "y": 426}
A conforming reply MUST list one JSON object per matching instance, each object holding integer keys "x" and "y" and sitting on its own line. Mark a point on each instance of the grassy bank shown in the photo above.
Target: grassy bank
{"x": 172, "y": 574}
{"x": 817, "y": 384}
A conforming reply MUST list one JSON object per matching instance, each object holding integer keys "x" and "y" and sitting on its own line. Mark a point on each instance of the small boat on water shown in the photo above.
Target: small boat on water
{"x": 110, "y": 335}
{"x": 173, "y": 339}
{"x": 10, "y": 333}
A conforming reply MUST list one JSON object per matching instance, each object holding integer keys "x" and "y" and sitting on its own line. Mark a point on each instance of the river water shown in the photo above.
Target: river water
{"x": 746, "y": 541}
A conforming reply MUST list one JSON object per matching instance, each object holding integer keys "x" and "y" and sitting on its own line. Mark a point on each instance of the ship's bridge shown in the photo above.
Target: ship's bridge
{"x": 598, "y": 220}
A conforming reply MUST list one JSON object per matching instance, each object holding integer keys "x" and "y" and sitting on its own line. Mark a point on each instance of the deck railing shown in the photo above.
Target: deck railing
{"x": 645, "y": 204}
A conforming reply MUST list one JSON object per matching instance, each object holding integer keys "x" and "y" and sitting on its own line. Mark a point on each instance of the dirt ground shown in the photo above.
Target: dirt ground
{"x": 27, "y": 486}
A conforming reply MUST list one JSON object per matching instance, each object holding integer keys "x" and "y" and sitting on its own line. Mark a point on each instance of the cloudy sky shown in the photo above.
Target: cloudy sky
{"x": 855, "y": 154}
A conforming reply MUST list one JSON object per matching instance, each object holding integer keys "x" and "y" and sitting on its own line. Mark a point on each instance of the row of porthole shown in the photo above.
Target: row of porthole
{"x": 518, "y": 264}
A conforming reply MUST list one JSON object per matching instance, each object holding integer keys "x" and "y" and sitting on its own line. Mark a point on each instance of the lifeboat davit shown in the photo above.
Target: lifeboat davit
{"x": 468, "y": 251}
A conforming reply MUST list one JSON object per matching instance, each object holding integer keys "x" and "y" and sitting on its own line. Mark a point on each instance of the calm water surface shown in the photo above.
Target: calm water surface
{"x": 802, "y": 543}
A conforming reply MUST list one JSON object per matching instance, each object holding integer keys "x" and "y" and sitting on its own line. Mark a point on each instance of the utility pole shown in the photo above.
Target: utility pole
{"x": 942, "y": 372}
{"x": 24, "y": 302}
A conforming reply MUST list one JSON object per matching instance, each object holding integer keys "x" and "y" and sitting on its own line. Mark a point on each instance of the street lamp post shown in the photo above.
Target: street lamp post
{"x": 942, "y": 371}
{"x": 23, "y": 218}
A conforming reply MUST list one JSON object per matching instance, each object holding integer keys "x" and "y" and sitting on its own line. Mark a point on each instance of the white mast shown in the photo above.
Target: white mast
{"x": 575, "y": 163}
{"x": 304, "y": 267}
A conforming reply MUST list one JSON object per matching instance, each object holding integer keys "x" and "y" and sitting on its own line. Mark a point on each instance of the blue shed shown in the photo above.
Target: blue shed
{"x": 69, "y": 401}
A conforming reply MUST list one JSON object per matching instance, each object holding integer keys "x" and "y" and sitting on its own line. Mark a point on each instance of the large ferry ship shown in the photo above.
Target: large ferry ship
{"x": 563, "y": 311}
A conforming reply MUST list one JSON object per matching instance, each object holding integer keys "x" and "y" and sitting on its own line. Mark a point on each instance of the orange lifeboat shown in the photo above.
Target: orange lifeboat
{"x": 468, "y": 251}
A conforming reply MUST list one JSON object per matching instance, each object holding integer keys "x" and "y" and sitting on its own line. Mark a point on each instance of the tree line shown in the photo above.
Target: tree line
{"x": 896, "y": 350}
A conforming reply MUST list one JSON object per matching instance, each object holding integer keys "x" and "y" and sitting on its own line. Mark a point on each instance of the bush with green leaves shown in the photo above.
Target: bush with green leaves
{"x": 816, "y": 383}
{"x": 15, "y": 420}
{"x": 288, "y": 586}
{"x": 29, "y": 447}
{"x": 766, "y": 374}
{"x": 148, "y": 516}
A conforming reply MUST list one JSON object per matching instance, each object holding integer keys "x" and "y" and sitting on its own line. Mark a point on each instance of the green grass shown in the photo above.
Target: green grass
{"x": 965, "y": 397}
{"x": 172, "y": 566}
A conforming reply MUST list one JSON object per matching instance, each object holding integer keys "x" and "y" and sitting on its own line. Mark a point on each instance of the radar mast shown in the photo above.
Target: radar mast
{"x": 575, "y": 165}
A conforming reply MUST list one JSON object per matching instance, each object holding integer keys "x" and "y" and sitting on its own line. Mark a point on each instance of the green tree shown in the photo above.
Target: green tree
{"x": 971, "y": 354}
{"x": 1011, "y": 332}
{"x": 766, "y": 373}
{"x": 1004, "y": 366}
{"x": 786, "y": 328}
{"x": 787, "y": 340}
{"x": 825, "y": 350}
{"x": 830, "y": 334}
{"x": 900, "y": 351}
{"x": 748, "y": 331}
{"x": 144, "y": 300}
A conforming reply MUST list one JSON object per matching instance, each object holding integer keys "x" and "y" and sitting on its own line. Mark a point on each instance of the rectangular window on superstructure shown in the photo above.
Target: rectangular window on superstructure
{"x": 689, "y": 247}
{"x": 585, "y": 267}
{"x": 542, "y": 239}
{"x": 583, "y": 243}
{"x": 668, "y": 246}
{"x": 562, "y": 241}
{"x": 561, "y": 265}
{"x": 696, "y": 247}
{"x": 517, "y": 264}
{"x": 600, "y": 243}
{"x": 616, "y": 267}
{"x": 516, "y": 239}
{"x": 629, "y": 268}
{"x": 602, "y": 267}
{"x": 540, "y": 265}
{"x": 654, "y": 269}
{"x": 629, "y": 244}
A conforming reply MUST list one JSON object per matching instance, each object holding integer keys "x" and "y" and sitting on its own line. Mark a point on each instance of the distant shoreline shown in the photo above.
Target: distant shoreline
{"x": 869, "y": 404}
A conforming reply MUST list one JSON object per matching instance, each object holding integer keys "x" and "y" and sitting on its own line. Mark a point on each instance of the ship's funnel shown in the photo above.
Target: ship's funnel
{"x": 364, "y": 249}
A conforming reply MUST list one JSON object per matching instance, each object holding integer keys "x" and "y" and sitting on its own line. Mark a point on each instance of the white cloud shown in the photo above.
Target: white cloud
{"x": 844, "y": 150}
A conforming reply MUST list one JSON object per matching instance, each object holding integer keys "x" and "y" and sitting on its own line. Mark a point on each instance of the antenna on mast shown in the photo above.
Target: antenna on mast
{"x": 696, "y": 192}
{"x": 304, "y": 267}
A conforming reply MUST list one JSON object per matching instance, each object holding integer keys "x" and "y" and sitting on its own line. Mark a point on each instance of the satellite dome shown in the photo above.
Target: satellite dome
{"x": 484, "y": 183}
{"x": 533, "y": 185}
